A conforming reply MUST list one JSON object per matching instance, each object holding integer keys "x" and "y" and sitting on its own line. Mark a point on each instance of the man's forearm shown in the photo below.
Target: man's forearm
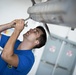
{"x": 5, "y": 26}
{"x": 9, "y": 47}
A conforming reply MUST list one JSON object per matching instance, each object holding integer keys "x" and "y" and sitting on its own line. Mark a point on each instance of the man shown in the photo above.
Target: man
{"x": 17, "y": 57}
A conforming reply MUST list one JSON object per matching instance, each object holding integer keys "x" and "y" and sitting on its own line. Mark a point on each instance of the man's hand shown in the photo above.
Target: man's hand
{"x": 19, "y": 24}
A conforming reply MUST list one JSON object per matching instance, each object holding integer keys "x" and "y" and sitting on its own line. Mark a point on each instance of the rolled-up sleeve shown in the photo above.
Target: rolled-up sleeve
{"x": 24, "y": 64}
{"x": 3, "y": 40}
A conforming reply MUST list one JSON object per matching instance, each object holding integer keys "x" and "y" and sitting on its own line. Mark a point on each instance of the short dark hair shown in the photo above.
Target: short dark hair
{"x": 42, "y": 39}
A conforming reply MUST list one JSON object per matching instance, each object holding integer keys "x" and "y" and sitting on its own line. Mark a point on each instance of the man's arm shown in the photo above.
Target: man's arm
{"x": 8, "y": 51}
{"x": 6, "y": 26}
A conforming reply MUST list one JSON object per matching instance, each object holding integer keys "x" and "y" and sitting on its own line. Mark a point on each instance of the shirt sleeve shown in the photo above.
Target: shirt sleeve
{"x": 3, "y": 40}
{"x": 25, "y": 63}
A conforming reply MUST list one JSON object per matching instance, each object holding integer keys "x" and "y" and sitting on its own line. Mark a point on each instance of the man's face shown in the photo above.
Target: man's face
{"x": 33, "y": 34}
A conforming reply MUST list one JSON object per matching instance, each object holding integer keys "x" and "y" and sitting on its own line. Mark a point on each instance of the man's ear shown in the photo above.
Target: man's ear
{"x": 37, "y": 42}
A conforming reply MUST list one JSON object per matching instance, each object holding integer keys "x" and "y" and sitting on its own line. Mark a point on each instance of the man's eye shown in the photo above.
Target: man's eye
{"x": 36, "y": 32}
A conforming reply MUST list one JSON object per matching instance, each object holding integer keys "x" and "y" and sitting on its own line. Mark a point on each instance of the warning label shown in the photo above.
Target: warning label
{"x": 69, "y": 53}
{"x": 52, "y": 49}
